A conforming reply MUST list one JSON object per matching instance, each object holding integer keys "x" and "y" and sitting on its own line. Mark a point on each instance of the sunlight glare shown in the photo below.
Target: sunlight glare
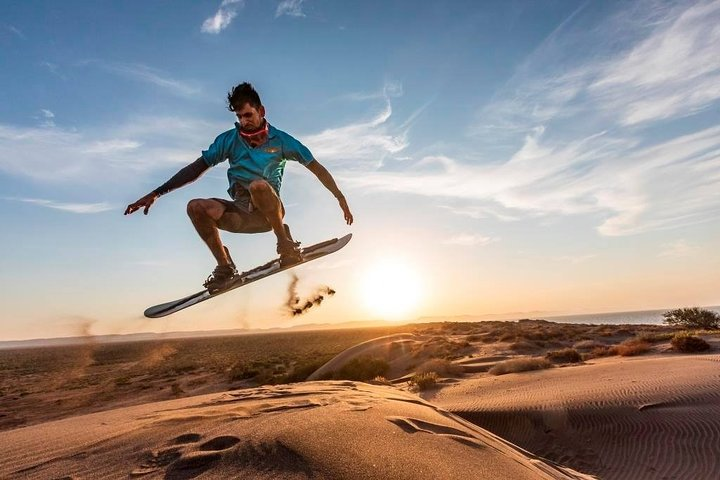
{"x": 391, "y": 289}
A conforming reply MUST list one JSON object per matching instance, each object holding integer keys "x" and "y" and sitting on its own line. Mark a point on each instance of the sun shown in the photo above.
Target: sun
{"x": 391, "y": 289}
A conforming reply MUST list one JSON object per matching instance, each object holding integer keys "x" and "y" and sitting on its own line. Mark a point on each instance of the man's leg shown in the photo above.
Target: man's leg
{"x": 205, "y": 214}
{"x": 266, "y": 200}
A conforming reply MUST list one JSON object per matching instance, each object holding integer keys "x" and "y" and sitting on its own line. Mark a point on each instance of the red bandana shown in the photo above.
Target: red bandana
{"x": 258, "y": 137}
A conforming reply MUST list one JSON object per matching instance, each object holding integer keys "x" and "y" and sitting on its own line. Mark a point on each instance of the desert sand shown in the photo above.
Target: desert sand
{"x": 325, "y": 430}
{"x": 652, "y": 416}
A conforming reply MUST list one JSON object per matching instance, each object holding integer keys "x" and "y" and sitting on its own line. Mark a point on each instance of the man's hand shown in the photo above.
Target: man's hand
{"x": 145, "y": 201}
{"x": 346, "y": 210}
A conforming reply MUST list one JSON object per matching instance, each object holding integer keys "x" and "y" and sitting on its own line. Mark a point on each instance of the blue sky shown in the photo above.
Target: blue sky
{"x": 510, "y": 156}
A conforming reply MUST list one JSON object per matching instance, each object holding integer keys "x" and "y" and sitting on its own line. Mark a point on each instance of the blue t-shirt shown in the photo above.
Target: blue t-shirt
{"x": 266, "y": 161}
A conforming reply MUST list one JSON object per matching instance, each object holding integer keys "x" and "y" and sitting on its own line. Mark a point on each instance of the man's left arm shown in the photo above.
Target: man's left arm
{"x": 326, "y": 179}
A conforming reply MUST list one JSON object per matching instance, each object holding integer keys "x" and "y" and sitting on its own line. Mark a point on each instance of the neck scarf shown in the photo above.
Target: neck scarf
{"x": 258, "y": 137}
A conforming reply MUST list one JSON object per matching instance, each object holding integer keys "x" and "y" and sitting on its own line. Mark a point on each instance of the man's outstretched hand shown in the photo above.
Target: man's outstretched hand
{"x": 346, "y": 210}
{"x": 145, "y": 202}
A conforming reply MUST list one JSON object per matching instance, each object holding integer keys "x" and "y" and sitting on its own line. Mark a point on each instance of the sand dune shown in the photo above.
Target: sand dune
{"x": 321, "y": 430}
{"x": 620, "y": 418}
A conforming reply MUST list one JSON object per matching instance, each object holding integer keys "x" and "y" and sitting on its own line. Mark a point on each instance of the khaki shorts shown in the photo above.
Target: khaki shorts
{"x": 241, "y": 215}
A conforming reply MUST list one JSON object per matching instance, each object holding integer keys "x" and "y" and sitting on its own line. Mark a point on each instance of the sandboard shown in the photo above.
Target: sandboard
{"x": 310, "y": 253}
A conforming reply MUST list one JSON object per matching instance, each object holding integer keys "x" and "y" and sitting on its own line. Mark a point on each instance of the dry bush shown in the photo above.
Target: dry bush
{"x": 423, "y": 381}
{"x": 632, "y": 347}
{"x": 380, "y": 380}
{"x": 517, "y": 365}
{"x": 654, "y": 337}
{"x": 683, "y": 342}
{"x": 444, "y": 367}
{"x": 523, "y": 346}
{"x": 587, "y": 345}
{"x": 566, "y": 355}
{"x": 604, "y": 351}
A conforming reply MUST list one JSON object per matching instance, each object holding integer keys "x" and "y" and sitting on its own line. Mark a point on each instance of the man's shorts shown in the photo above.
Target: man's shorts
{"x": 241, "y": 215}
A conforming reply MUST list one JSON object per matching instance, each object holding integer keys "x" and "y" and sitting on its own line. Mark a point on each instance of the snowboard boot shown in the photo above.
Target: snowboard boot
{"x": 289, "y": 250}
{"x": 222, "y": 277}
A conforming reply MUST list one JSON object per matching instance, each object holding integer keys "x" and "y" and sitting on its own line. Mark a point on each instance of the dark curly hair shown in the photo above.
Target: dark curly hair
{"x": 242, "y": 94}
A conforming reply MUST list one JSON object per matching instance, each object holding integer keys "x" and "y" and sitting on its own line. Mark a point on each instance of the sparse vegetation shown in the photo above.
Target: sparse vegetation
{"x": 693, "y": 318}
{"x": 632, "y": 347}
{"x": 360, "y": 369}
{"x": 423, "y": 381}
{"x": 441, "y": 366}
{"x": 683, "y": 342}
{"x": 566, "y": 355}
{"x": 517, "y": 365}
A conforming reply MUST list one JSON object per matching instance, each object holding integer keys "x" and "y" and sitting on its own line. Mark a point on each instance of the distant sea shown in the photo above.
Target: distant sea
{"x": 650, "y": 317}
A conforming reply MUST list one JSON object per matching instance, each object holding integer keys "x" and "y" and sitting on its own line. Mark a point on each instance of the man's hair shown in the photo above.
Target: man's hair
{"x": 242, "y": 94}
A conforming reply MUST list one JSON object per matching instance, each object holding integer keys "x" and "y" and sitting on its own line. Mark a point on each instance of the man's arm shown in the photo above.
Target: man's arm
{"x": 329, "y": 182}
{"x": 187, "y": 174}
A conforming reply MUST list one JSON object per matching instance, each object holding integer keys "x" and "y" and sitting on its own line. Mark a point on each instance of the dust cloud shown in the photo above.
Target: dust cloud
{"x": 297, "y": 306}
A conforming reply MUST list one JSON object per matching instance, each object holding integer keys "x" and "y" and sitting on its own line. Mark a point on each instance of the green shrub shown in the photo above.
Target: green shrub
{"x": 566, "y": 355}
{"x": 693, "y": 318}
{"x": 360, "y": 369}
{"x": 682, "y": 342}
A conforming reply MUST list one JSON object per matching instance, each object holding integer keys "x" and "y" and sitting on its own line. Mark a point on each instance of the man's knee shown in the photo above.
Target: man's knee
{"x": 203, "y": 208}
{"x": 259, "y": 187}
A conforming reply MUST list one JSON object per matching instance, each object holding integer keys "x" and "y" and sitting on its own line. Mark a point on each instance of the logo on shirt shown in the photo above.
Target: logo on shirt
{"x": 272, "y": 149}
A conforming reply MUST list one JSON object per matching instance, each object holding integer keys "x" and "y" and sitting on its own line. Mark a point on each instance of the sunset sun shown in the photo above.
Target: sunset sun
{"x": 391, "y": 289}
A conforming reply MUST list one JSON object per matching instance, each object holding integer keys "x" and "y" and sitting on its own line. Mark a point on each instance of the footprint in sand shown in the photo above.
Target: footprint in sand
{"x": 187, "y": 438}
{"x": 414, "y": 425}
{"x": 220, "y": 443}
{"x": 192, "y": 464}
{"x": 156, "y": 460}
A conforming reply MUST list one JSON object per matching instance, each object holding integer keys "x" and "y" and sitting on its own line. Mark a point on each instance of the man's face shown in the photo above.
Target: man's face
{"x": 250, "y": 118}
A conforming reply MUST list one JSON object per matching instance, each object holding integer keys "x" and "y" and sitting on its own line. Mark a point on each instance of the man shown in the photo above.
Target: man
{"x": 256, "y": 152}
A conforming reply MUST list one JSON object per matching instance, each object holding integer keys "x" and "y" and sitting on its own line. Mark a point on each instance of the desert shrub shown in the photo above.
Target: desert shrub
{"x": 632, "y": 347}
{"x": 242, "y": 371}
{"x": 361, "y": 369}
{"x": 655, "y": 337}
{"x": 301, "y": 371}
{"x": 566, "y": 355}
{"x": 604, "y": 351}
{"x": 587, "y": 345}
{"x": 683, "y": 342}
{"x": 520, "y": 365}
{"x": 423, "y": 381}
{"x": 692, "y": 318}
{"x": 523, "y": 346}
{"x": 444, "y": 367}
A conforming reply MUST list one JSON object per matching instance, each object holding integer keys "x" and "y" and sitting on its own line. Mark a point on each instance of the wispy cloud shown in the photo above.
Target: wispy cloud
{"x": 118, "y": 151}
{"x": 47, "y": 118}
{"x": 223, "y": 17}
{"x": 291, "y": 8}
{"x": 469, "y": 240}
{"x": 679, "y": 248}
{"x": 146, "y": 74}
{"x": 15, "y": 31}
{"x": 566, "y": 117}
{"x": 82, "y": 208}
{"x": 575, "y": 259}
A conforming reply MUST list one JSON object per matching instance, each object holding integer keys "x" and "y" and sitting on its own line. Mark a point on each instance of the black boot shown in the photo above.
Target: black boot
{"x": 289, "y": 249}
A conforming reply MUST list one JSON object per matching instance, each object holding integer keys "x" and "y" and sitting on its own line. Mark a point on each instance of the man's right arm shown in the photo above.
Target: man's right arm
{"x": 186, "y": 175}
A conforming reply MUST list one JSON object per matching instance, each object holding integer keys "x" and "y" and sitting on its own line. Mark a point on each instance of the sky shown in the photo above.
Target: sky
{"x": 548, "y": 156}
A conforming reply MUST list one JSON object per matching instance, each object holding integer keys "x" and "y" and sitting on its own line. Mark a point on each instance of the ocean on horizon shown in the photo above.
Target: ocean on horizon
{"x": 649, "y": 317}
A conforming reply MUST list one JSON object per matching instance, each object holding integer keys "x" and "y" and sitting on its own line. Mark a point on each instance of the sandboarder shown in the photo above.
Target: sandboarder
{"x": 256, "y": 152}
